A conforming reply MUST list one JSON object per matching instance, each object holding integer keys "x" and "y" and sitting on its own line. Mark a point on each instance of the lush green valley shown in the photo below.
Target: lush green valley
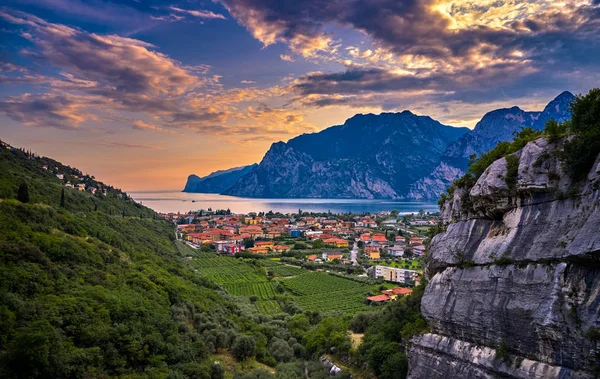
{"x": 94, "y": 285}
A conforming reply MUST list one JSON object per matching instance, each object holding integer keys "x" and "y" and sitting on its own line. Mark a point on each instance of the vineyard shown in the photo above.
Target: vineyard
{"x": 264, "y": 290}
{"x": 227, "y": 270}
{"x": 322, "y": 292}
{"x": 282, "y": 270}
{"x": 312, "y": 291}
{"x": 268, "y": 307}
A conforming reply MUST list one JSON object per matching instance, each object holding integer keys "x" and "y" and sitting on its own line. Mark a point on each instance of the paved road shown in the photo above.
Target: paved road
{"x": 354, "y": 254}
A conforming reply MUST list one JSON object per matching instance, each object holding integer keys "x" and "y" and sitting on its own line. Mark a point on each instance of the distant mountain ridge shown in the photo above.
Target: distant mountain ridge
{"x": 369, "y": 156}
{"x": 387, "y": 156}
{"x": 218, "y": 181}
{"x": 495, "y": 126}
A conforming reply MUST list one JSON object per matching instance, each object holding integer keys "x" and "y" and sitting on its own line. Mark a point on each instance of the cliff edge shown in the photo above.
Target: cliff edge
{"x": 514, "y": 288}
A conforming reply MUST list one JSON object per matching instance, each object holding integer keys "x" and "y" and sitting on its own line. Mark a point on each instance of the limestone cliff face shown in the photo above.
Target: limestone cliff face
{"x": 514, "y": 288}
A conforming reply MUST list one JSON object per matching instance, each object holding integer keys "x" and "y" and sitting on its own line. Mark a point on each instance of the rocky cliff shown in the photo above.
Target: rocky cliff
{"x": 514, "y": 288}
{"x": 369, "y": 156}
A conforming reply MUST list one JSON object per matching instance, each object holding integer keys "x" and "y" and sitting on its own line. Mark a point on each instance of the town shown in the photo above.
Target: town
{"x": 386, "y": 246}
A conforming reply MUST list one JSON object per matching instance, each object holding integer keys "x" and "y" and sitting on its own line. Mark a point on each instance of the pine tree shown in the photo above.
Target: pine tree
{"x": 23, "y": 194}
{"x": 62, "y": 198}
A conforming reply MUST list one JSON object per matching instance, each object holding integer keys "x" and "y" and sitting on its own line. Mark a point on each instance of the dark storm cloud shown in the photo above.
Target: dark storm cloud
{"x": 558, "y": 45}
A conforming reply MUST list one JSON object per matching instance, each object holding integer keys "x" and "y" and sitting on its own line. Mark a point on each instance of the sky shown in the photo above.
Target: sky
{"x": 143, "y": 93}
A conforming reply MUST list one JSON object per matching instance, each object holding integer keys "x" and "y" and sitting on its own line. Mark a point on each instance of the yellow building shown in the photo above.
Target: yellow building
{"x": 374, "y": 255}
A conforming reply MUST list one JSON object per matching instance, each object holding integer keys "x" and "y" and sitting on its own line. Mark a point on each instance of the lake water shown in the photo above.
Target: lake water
{"x": 175, "y": 201}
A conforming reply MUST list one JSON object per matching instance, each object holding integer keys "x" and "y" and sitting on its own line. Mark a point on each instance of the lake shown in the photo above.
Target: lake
{"x": 176, "y": 201}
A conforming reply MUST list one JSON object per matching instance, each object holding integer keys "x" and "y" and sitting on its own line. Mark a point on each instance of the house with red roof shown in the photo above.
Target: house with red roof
{"x": 396, "y": 292}
{"x": 281, "y": 248}
{"x": 378, "y": 298}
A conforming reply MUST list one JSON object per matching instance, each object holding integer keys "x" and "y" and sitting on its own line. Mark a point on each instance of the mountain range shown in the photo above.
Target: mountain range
{"x": 387, "y": 156}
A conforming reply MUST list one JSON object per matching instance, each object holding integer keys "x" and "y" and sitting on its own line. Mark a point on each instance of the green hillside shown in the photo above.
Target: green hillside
{"x": 94, "y": 285}
{"x": 97, "y": 289}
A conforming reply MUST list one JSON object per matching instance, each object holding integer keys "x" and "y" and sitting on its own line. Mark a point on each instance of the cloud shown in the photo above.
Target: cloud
{"x": 286, "y": 57}
{"x": 433, "y": 43}
{"x": 106, "y": 74}
{"x": 144, "y": 126}
{"x": 248, "y": 82}
{"x": 121, "y": 145}
{"x": 169, "y": 18}
{"x": 104, "y": 78}
{"x": 199, "y": 13}
{"x": 50, "y": 110}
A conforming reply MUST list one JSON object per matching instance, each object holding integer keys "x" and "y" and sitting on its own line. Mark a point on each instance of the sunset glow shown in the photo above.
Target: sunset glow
{"x": 142, "y": 94}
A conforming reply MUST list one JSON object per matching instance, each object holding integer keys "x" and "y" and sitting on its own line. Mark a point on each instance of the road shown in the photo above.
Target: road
{"x": 354, "y": 254}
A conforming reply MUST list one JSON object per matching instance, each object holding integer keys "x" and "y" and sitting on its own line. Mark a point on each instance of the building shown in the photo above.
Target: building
{"x": 295, "y": 233}
{"x": 391, "y": 274}
{"x": 378, "y": 298}
{"x": 397, "y": 292}
{"x": 281, "y": 248}
{"x": 336, "y": 241}
{"x": 232, "y": 248}
{"x": 379, "y": 238}
{"x": 258, "y": 250}
{"x": 419, "y": 249}
{"x": 186, "y": 228}
{"x": 373, "y": 254}
{"x": 395, "y": 251}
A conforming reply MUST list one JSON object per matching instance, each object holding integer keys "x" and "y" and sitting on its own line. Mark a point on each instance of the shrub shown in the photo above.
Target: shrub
{"x": 502, "y": 353}
{"x": 243, "y": 347}
{"x": 512, "y": 170}
{"x": 555, "y": 130}
{"x": 360, "y": 322}
{"x": 580, "y": 152}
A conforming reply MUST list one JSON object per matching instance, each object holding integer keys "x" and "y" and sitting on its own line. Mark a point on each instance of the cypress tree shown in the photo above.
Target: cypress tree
{"x": 62, "y": 198}
{"x": 23, "y": 195}
{"x": 95, "y": 207}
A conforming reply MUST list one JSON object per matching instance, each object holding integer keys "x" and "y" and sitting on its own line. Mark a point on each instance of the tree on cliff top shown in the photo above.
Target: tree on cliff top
{"x": 581, "y": 152}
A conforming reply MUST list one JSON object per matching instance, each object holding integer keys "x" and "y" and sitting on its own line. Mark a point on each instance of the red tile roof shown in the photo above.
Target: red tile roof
{"x": 398, "y": 291}
{"x": 378, "y": 298}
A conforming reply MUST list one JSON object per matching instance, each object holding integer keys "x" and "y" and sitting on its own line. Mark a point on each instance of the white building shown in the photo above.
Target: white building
{"x": 391, "y": 274}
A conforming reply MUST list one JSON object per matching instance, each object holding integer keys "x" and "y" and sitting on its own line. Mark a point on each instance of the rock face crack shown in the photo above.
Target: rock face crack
{"x": 518, "y": 271}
